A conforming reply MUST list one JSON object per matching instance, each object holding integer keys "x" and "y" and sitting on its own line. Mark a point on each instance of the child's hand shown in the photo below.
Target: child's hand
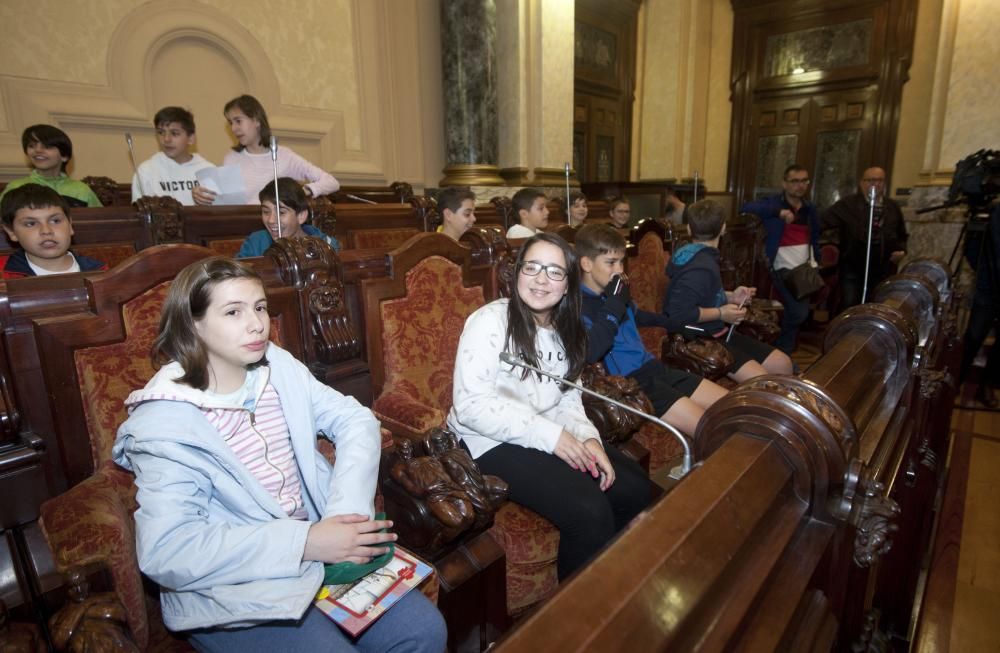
{"x": 787, "y": 216}
{"x": 202, "y": 195}
{"x": 743, "y": 294}
{"x": 347, "y": 538}
{"x": 732, "y": 314}
{"x": 607, "y": 472}
{"x": 618, "y": 287}
{"x": 574, "y": 454}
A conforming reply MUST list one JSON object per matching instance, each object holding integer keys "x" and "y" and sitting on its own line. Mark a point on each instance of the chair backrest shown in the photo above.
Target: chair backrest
{"x": 647, "y": 264}
{"x": 92, "y": 359}
{"x": 415, "y": 316}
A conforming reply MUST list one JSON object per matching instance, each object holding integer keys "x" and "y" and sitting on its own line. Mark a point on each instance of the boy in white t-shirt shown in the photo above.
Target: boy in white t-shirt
{"x": 172, "y": 170}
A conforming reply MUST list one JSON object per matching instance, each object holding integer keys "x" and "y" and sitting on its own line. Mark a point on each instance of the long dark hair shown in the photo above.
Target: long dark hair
{"x": 254, "y": 110}
{"x": 566, "y": 320}
{"x": 186, "y": 303}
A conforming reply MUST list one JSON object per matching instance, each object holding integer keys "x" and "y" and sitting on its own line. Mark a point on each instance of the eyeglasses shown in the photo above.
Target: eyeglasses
{"x": 801, "y": 182}
{"x": 553, "y": 272}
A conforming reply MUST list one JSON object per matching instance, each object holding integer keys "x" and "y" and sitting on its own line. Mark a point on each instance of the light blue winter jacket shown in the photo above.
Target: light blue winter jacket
{"x": 219, "y": 545}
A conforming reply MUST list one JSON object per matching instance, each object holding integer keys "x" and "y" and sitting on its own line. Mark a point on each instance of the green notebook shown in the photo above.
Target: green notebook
{"x": 342, "y": 573}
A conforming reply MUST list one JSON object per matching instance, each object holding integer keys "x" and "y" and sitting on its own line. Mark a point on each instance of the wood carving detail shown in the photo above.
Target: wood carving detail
{"x": 313, "y": 267}
{"x": 90, "y": 623}
{"x": 163, "y": 214}
{"x": 486, "y": 493}
{"x": 932, "y": 382}
{"x": 615, "y": 425}
{"x": 323, "y": 214}
{"x": 875, "y": 522}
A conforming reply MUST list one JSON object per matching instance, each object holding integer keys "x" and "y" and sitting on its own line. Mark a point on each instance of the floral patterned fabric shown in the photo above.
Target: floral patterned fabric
{"x": 532, "y": 545}
{"x": 109, "y": 373}
{"x": 420, "y": 335}
{"x": 647, "y": 273}
{"x": 92, "y": 523}
{"x": 648, "y": 284}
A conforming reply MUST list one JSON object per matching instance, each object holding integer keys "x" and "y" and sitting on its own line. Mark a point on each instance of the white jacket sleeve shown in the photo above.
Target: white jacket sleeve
{"x": 355, "y": 431}
{"x": 480, "y": 404}
{"x": 574, "y": 417}
{"x": 180, "y": 548}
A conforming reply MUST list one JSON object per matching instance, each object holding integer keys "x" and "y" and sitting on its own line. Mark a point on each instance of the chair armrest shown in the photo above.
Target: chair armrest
{"x": 706, "y": 357}
{"x": 404, "y": 415}
{"x": 91, "y": 525}
{"x": 90, "y": 622}
{"x": 615, "y": 425}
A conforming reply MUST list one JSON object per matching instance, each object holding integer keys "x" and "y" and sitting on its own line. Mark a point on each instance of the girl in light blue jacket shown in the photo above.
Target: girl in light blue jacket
{"x": 238, "y": 511}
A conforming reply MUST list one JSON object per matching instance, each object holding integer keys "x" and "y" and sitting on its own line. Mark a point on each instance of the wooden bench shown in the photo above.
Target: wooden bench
{"x": 805, "y": 525}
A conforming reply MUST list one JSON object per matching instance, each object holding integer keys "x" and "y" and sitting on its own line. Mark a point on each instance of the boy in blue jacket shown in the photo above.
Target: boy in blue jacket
{"x": 695, "y": 297}
{"x": 291, "y": 210}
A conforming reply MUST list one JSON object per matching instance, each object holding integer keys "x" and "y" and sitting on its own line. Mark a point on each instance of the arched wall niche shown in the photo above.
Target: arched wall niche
{"x": 152, "y": 37}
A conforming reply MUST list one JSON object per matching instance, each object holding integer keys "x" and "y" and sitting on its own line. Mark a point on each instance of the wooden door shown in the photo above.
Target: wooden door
{"x": 604, "y": 88}
{"x": 816, "y": 82}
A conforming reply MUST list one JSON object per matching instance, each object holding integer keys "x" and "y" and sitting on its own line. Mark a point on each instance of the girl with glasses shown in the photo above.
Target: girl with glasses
{"x": 529, "y": 429}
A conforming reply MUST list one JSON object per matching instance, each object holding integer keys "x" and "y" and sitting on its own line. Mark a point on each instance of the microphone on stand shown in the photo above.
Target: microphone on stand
{"x": 277, "y": 197}
{"x": 695, "y": 185}
{"x": 868, "y": 249}
{"x": 131, "y": 158}
{"x": 676, "y": 473}
{"x": 360, "y": 199}
{"x": 568, "y": 219}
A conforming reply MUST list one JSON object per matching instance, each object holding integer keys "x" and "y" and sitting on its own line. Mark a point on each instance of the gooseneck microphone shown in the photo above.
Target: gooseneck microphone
{"x": 675, "y": 473}
{"x": 360, "y": 199}
{"x": 868, "y": 249}
{"x": 569, "y": 220}
{"x": 131, "y": 158}
{"x": 277, "y": 197}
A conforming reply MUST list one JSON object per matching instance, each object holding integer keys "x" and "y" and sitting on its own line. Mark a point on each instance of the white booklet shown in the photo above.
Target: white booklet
{"x": 226, "y": 182}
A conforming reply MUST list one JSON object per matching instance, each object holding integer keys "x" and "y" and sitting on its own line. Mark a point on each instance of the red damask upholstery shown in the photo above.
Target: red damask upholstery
{"x": 421, "y": 320}
{"x": 229, "y": 247}
{"x": 379, "y": 238}
{"x": 420, "y": 335}
{"x": 109, "y": 373}
{"x": 647, "y": 272}
{"x": 109, "y": 254}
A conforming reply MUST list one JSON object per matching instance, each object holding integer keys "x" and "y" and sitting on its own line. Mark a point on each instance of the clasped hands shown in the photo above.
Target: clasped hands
{"x": 587, "y": 456}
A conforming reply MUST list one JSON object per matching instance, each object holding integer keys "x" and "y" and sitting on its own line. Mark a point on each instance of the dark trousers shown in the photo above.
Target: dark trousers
{"x": 852, "y": 281}
{"x": 586, "y": 517}
{"x": 984, "y": 316}
{"x": 795, "y": 315}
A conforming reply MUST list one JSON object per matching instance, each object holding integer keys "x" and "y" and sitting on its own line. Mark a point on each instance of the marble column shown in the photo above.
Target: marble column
{"x": 469, "y": 83}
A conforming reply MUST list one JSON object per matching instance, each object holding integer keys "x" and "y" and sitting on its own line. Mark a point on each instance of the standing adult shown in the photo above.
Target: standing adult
{"x": 791, "y": 227}
{"x": 849, "y": 215}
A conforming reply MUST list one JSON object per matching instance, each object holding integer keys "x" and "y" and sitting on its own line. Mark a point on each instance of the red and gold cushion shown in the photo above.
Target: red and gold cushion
{"x": 420, "y": 334}
{"x": 532, "y": 546}
{"x": 110, "y": 372}
{"x": 91, "y": 524}
{"x": 647, "y": 273}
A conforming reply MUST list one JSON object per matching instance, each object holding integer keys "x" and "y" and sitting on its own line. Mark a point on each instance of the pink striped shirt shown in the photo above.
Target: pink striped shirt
{"x": 261, "y": 441}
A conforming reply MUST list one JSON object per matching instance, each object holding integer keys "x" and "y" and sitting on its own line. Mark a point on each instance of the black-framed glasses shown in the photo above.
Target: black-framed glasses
{"x": 553, "y": 272}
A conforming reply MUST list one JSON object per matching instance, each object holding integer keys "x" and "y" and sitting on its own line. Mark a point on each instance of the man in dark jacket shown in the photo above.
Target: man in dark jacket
{"x": 849, "y": 216}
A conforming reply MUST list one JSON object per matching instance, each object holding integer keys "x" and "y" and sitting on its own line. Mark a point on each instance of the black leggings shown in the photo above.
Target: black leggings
{"x": 586, "y": 517}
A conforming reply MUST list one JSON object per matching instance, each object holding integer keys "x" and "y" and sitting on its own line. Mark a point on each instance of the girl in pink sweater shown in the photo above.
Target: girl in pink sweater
{"x": 248, "y": 122}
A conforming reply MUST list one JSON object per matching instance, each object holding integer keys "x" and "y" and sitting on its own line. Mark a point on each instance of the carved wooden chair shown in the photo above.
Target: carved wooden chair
{"x": 415, "y": 319}
{"x": 91, "y": 361}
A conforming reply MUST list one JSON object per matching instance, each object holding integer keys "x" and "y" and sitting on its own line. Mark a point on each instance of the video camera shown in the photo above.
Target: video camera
{"x": 976, "y": 181}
